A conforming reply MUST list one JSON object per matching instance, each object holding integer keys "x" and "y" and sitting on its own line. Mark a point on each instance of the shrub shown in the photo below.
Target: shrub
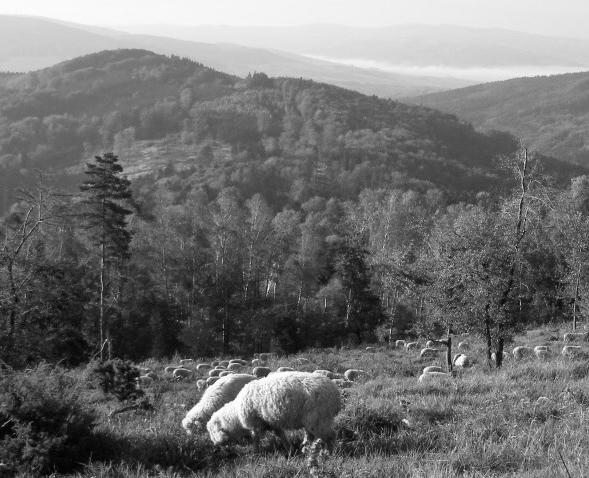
{"x": 118, "y": 378}
{"x": 44, "y": 426}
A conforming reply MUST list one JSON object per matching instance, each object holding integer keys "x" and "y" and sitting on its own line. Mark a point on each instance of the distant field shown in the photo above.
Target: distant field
{"x": 485, "y": 423}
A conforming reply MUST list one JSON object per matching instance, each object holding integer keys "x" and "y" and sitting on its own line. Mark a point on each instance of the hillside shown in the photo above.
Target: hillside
{"x": 29, "y": 43}
{"x": 550, "y": 113}
{"x": 315, "y": 138}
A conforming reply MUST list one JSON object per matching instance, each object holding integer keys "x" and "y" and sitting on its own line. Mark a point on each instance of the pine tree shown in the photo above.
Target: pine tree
{"x": 106, "y": 192}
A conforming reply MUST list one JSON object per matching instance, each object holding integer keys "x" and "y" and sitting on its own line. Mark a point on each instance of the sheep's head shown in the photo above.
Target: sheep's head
{"x": 219, "y": 435}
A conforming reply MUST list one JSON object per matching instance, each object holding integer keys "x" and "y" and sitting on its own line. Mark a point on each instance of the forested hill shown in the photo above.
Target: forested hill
{"x": 549, "y": 112}
{"x": 289, "y": 139}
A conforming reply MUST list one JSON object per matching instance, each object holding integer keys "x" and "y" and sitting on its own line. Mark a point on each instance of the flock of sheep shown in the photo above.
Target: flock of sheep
{"x": 244, "y": 398}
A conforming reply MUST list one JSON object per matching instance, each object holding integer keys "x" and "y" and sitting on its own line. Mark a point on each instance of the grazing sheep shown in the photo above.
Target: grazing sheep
{"x": 428, "y": 353}
{"x": 236, "y": 367}
{"x": 521, "y": 352}
{"x": 429, "y": 344}
{"x": 279, "y": 402}
{"x": 201, "y": 384}
{"x": 169, "y": 369}
{"x": 218, "y": 394}
{"x": 370, "y": 349}
{"x": 224, "y": 373}
{"x": 411, "y": 345}
{"x": 571, "y": 350}
{"x": 462, "y": 361}
{"x": 214, "y": 363}
{"x": 209, "y": 381}
{"x": 185, "y": 362}
{"x": 241, "y": 362}
{"x": 260, "y": 372}
{"x": 285, "y": 369}
{"x": 144, "y": 381}
{"x": 342, "y": 383}
{"x": 400, "y": 344}
{"x": 542, "y": 354}
{"x": 540, "y": 347}
{"x": 465, "y": 346}
{"x": 220, "y": 367}
{"x": 434, "y": 376}
{"x": 354, "y": 374}
{"x": 325, "y": 373}
{"x": 224, "y": 363}
{"x": 265, "y": 357}
{"x": 302, "y": 361}
{"x": 203, "y": 367}
{"x": 215, "y": 372}
{"x": 575, "y": 336}
{"x": 432, "y": 368}
{"x": 180, "y": 373}
{"x": 256, "y": 362}
{"x": 506, "y": 356}
{"x": 152, "y": 375}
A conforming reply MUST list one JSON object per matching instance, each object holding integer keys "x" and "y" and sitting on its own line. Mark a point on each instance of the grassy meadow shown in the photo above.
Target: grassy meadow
{"x": 484, "y": 423}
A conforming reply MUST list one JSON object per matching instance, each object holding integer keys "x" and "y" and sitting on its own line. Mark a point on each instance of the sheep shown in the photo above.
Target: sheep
{"x": 219, "y": 367}
{"x": 575, "y": 336}
{"x": 411, "y": 345}
{"x": 571, "y": 350}
{"x": 370, "y": 349}
{"x": 224, "y": 363}
{"x": 429, "y": 376}
{"x": 260, "y": 372}
{"x": 185, "y": 362}
{"x": 302, "y": 361}
{"x": 235, "y": 367}
{"x": 209, "y": 381}
{"x": 506, "y": 356}
{"x": 144, "y": 381}
{"x": 325, "y": 373}
{"x": 203, "y": 367}
{"x": 224, "y": 373}
{"x": 214, "y": 363}
{"x": 180, "y": 373}
{"x": 265, "y": 357}
{"x": 169, "y": 369}
{"x": 465, "y": 346}
{"x": 428, "y": 353}
{"x": 241, "y": 362}
{"x": 400, "y": 344}
{"x": 201, "y": 384}
{"x": 256, "y": 362}
{"x": 218, "y": 394}
{"x": 285, "y": 369}
{"x": 520, "y": 352}
{"x": 429, "y": 344}
{"x": 354, "y": 374}
{"x": 432, "y": 368}
{"x": 152, "y": 375}
{"x": 540, "y": 347}
{"x": 279, "y": 402}
{"x": 542, "y": 354}
{"x": 215, "y": 372}
{"x": 462, "y": 361}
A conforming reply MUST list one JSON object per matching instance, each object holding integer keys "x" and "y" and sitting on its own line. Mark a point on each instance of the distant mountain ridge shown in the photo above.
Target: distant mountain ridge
{"x": 30, "y": 43}
{"x": 550, "y": 113}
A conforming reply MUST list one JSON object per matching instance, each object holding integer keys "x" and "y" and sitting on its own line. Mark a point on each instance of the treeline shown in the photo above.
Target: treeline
{"x": 234, "y": 274}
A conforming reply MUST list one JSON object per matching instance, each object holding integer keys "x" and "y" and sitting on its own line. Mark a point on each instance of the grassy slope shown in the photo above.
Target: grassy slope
{"x": 551, "y": 112}
{"x": 485, "y": 424}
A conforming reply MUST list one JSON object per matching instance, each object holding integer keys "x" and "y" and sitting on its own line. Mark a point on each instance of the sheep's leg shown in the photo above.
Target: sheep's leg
{"x": 284, "y": 439}
{"x": 309, "y": 437}
{"x": 256, "y": 435}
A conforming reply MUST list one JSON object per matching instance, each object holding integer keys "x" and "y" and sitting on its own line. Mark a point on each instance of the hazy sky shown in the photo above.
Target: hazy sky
{"x": 552, "y": 17}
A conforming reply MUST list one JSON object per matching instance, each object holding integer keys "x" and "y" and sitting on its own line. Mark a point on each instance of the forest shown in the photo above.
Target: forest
{"x": 278, "y": 215}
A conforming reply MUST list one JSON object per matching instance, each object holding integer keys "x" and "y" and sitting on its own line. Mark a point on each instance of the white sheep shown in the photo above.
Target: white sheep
{"x": 144, "y": 381}
{"x": 185, "y": 362}
{"x": 370, "y": 349}
{"x": 180, "y": 373}
{"x": 429, "y": 344}
{"x": 279, "y": 402}
{"x": 218, "y": 394}
{"x": 353, "y": 374}
{"x": 241, "y": 362}
{"x": 434, "y": 376}
{"x": 521, "y": 352}
{"x": 203, "y": 367}
{"x": 542, "y": 354}
{"x": 575, "y": 336}
{"x": 506, "y": 356}
{"x": 235, "y": 367}
{"x": 264, "y": 357}
{"x": 169, "y": 369}
{"x": 428, "y": 353}
{"x": 285, "y": 369}
{"x": 464, "y": 346}
{"x": 256, "y": 362}
{"x": 201, "y": 384}
{"x": 261, "y": 371}
{"x": 462, "y": 361}
{"x": 432, "y": 368}
{"x": 224, "y": 363}
{"x": 152, "y": 375}
{"x": 571, "y": 350}
{"x": 214, "y": 363}
{"x": 209, "y": 381}
{"x": 411, "y": 345}
{"x": 215, "y": 372}
{"x": 224, "y": 373}
{"x": 400, "y": 344}
{"x": 302, "y": 361}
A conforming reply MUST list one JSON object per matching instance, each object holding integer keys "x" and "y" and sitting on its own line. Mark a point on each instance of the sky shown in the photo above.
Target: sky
{"x": 550, "y": 17}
